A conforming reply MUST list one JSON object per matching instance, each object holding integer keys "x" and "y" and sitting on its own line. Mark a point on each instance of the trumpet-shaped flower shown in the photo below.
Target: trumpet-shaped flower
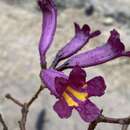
{"x": 49, "y": 23}
{"x": 112, "y": 49}
{"x": 73, "y": 92}
{"x": 81, "y": 38}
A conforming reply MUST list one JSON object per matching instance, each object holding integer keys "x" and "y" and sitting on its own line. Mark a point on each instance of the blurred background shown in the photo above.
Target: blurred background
{"x": 20, "y": 28}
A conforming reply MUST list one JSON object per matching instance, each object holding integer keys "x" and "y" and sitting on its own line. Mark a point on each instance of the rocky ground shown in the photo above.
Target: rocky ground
{"x": 19, "y": 69}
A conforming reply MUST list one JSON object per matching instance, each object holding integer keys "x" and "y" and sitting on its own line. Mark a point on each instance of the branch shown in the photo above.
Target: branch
{"x": 25, "y": 107}
{"x": 3, "y": 123}
{"x": 8, "y": 96}
{"x": 35, "y": 96}
{"x": 92, "y": 125}
{"x": 102, "y": 119}
{"x": 22, "y": 122}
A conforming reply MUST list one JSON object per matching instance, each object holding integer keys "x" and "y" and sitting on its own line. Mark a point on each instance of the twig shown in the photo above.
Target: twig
{"x": 92, "y": 125}
{"x": 35, "y": 96}
{"x": 103, "y": 119}
{"x": 8, "y": 96}
{"x": 115, "y": 120}
{"x": 25, "y": 107}
{"x": 22, "y": 122}
{"x": 3, "y": 123}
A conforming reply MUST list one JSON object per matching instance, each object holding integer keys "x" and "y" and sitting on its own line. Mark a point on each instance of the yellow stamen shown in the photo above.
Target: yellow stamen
{"x": 69, "y": 100}
{"x": 79, "y": 95}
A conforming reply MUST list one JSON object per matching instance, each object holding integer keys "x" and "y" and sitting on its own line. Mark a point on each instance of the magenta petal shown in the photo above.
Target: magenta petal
{"x": 77, "y": 77}
{"x": 96, "y": 86}
{"x": 61, "y": 84}
{"x": 88, "y": 111}
{"x": 62, "y": 109}
{"x": 49, "y": 23}
{"x": 81, "y": 37}
{"x": 114, "y": 48}
{"x": 48, "y": 78}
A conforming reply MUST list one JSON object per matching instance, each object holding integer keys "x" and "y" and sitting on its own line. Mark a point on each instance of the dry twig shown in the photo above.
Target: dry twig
{"x": 25, "y": 107}
{"x": 3, "y": 123}
{"x": 102, "y": 119}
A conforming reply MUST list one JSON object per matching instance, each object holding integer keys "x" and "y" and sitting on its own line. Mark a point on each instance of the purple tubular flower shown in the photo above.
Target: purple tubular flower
{"x": 81, "y": 37}
{"x": 112, "y": 49}
{"x": 73, "y": 94}
{"x": 49, "y": 23}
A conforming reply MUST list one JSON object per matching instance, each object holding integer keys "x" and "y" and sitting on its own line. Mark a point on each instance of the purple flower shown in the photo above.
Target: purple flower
{"x": 81, "y": 37}
{"x": 74, "y": 92}
{"x": 112, "y": 49}
{"x": 49, "y": 12}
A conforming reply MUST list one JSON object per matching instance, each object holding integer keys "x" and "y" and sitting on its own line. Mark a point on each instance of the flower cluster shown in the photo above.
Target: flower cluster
{"x": 73, "y": 91}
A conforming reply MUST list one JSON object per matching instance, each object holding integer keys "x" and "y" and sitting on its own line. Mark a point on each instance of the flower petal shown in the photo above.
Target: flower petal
{"x": 62, "y": 109}
{"x": 96, "y": 86}
{"x": 48, "y": 78}
{"x": 88, "y": 111}
{"x": 48, "y": 26}
{"x": 114, "y": 48}
{"x": 60, "y": 85}
{"x": 81, "y": 37}
{"x": 77, "y": 77}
